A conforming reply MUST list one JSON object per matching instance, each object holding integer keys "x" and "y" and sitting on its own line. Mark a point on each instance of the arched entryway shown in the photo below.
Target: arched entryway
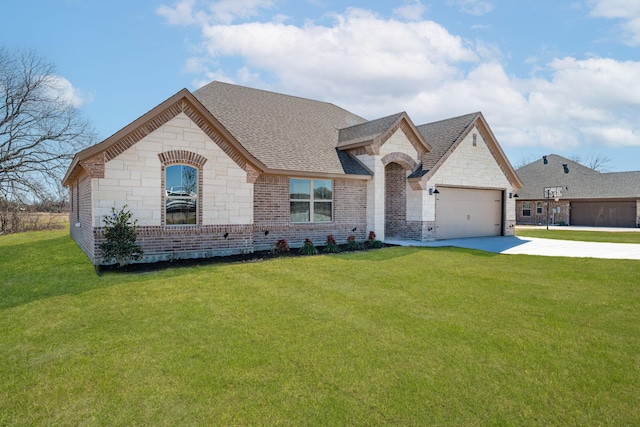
{"x": 395, "y": 200}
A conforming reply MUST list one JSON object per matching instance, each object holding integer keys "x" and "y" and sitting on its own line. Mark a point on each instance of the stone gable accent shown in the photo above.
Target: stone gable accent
{"x": 374, "y": 149}
{"x": 162, "y": 118}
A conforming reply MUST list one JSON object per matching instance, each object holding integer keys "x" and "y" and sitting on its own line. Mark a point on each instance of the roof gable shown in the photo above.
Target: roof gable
{"x": 182, "y": 102}
{"x": 445, "y": 135}
{"x": 373, "y": 134}
{"x": 366, "y": 131}
{"x": 579, "y": 181}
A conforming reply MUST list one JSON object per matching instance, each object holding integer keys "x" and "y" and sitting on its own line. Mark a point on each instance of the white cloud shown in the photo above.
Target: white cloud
{"x": 473, "y": 7}
{"x": 627, "y": 11}
{"x": 226, "y": 11}
{"x": 615, "y": 8}
{"x": 62, "y": 89}
{"x": 359, "y": 53}
{"x": 223, "y": 11}
{"x": 376, "y": 66}
{"x": 411, "y": 11}
{"x": 180, "y": 14}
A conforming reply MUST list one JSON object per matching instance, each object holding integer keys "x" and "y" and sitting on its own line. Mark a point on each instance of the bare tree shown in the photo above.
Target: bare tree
{"x": 596, "y": 162}
{"x": 40, "y": 128}
{"x": 523, "y": 161}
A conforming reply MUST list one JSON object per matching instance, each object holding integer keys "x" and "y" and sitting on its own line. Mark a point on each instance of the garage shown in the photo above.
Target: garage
{"x": 466, "y": 212}
{"x": 604, "y": 213}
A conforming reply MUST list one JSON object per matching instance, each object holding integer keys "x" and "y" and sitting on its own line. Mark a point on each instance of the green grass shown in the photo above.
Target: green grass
{"x": 396, "y": 336}
{"x": 583, "y": 236}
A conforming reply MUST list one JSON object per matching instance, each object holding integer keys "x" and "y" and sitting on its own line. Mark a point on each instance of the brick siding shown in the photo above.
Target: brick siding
{"x": 166, "y": 243}
{"x": 81, "y": 215}
{"x": 395, "y": 201}
{"x": 541, "y": 219}
{"x": 271, "y": 214}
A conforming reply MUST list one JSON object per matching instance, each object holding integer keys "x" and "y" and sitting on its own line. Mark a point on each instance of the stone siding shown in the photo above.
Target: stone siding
{"x": 271, "y": 209}
{"x": 399, "y": 143}
{"x": 400, "y": 146}
{"x": 472, "y": 166}
{"x": 135, "y": 178}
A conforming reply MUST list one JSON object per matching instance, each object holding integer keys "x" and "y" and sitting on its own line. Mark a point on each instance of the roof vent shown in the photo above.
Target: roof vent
{"x": 566, "y": 168}
{"x": 544, "y": 159}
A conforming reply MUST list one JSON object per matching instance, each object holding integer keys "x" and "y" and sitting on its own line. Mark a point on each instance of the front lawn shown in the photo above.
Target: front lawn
{"x": 580, "y": 235}
{"x": 396, "y": 336}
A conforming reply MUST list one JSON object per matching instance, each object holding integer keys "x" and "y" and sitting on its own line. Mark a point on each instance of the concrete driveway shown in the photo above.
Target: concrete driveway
{"x": 535, "y": 246}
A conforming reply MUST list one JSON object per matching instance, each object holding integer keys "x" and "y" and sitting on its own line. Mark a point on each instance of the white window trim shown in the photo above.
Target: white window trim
{"x": 311, "y": 201}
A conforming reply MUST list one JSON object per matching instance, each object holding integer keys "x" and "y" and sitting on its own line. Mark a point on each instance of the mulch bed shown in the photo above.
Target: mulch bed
{"x": 249, "y": 257}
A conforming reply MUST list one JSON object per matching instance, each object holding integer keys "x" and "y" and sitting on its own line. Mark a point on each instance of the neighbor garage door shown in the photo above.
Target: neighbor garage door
{"x": 604, "y": 214}
{"x": 463, "y": 212}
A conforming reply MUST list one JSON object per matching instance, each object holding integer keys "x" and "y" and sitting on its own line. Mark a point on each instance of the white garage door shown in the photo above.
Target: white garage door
{"x": 463, "y": 212}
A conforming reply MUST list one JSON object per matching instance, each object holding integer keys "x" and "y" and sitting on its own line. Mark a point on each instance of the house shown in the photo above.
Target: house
{"x": 568, "y": 193}
{"x": 229, "y": 169}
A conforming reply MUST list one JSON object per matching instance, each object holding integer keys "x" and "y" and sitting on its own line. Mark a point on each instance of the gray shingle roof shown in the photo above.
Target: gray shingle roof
{"x": 366, "y": 131}
{"x": 288, "y": 133}
{"x": 284, "y": 132}
{"x": 580, "y": 182}
{"x": 441, "y": 135}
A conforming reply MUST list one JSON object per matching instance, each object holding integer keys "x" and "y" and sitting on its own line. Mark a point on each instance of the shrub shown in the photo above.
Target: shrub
{"x": 372, "y": 242}
{"x": 282, "y": 246}
{"x": 352, "y": 244}
{"x": 331, "y": 246}
{"x": 308, "y": 248}
{"x": 16, "y": 218}
{"x": 120, "y": 234}
{"x": 375, "y": 244}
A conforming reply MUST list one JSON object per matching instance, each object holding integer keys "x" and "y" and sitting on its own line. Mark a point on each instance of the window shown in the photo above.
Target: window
{"x": 311, "y": 200}
{"x": 539, "y": 208}
{"x": 181, "y": 195}
{"x": 526, "y": 208}
{"x": 77, "y": 200}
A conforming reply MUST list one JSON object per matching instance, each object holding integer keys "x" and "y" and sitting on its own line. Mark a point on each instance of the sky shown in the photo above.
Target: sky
{"x": 550, "y": 76}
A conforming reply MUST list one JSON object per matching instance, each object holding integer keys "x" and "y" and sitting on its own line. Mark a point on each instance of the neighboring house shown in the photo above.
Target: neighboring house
{"x": 578, "y": 195}
{"x": 229, "y": 169}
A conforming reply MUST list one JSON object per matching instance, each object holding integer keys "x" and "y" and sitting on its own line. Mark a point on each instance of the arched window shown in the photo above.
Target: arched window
{"x": 181, "y": 195}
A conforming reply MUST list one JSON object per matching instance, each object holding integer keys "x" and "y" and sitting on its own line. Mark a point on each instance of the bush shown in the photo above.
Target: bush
{"x": 120, "y": 235}
{"x": 282, "y": 246}
{"x": 372, "y": 242}
{"x": 331, "y": 246}
{"x": 16, "y": 218}
{"x": 352, "y": 244}
{"x": 308, "y": 248}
